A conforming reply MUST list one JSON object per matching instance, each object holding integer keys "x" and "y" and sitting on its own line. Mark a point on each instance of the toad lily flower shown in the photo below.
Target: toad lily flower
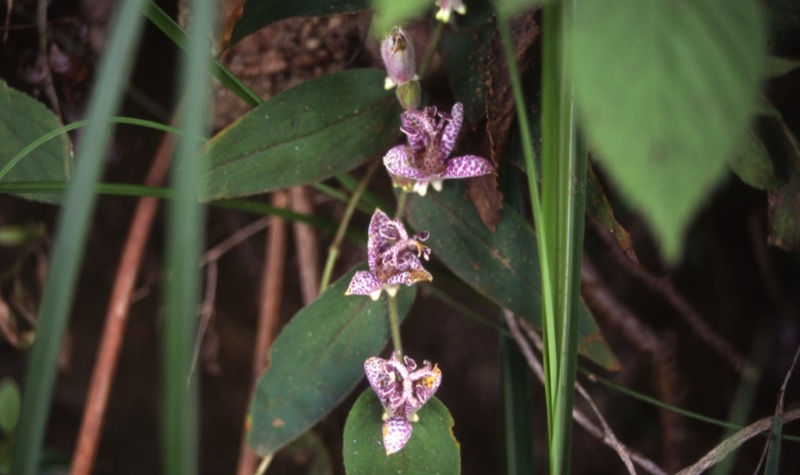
{"x": 397, "y": 51}
{"x": 447, "y": 7}
{"x": 402, "y": 389}
{"x": 393, "y": 258}
{"x": 430, "y": 142}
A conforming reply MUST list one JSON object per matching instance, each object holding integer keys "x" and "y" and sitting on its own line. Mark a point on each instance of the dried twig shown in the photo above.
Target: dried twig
{"x": 735, "y": 441}
{"x": 603, "y": 433}
{"x": 660, "y": 351}
{"x": 695, "y": 321}
{"x": 117, "y": 316}
{"x": 269, "y": 315}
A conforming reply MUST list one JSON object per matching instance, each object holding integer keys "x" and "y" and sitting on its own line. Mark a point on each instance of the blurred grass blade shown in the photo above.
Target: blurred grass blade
{"x": 71, "y": 233}
{"x": 563, "y": 206}
{"x": 184, "y": 244}
{"x": 170, "y": 28}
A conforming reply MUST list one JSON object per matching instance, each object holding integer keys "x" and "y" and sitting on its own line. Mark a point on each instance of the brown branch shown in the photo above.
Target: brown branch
{"x": 117, "y": 316}
{"x": 735, "y": 441}
{"x": 665, "y": 288}
{"x": 305, "y": 241}
{"x": 269, "y": 315}
{"x": 660, "y": 352}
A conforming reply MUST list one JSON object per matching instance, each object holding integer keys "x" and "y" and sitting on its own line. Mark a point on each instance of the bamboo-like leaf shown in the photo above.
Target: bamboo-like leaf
{"x": 504, "y": 265}
{"x": 314, "y": 131}
{"x": 432, "y": 447}
{"x": 22, "y": 121}
{"x": 316, "y": 361}
{"x": 663, "y": 138}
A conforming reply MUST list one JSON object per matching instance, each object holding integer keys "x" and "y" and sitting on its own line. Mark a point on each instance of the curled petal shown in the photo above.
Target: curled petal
{"x": 467, "y": 166}
{"x": 426, "y": 382}
{"x": 452, "y": 128}
{"x": 381, "y": 230}
{"x": 364, "y": 283}
{"x": 399, "y": 161}
{"x": 380, "y": 379}
{"x": 396, "y": 432}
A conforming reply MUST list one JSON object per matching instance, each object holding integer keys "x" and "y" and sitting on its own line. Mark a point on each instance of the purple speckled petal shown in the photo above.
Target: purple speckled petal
{"x": 380, "y": 227}
{"x": 363, "y": 283}
{"x": 396, "y": 432}
{"x": 380, "y": 379}
{"x": 410, "y": 277}
{"x": 399, "y": 161}
{"x": 451, "y": 130}
{"x": 467, "y": 166}
{"x": 426, "y": 381}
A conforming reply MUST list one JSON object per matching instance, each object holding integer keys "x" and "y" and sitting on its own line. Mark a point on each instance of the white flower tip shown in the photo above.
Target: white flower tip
{"x": 421, "y": 187}
{"x": 437, "y": 184}
{"x": 443, "y": 15}
{"x": 388, "y": 83}
{"x": 392, "y": 291}
{"x": 375, "y": 295}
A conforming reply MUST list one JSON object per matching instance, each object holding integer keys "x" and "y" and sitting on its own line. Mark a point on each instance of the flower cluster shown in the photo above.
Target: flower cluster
{"x": 431, "y": 138}
{"x": 393, "y": 258}
{"x": 403, "y": 389}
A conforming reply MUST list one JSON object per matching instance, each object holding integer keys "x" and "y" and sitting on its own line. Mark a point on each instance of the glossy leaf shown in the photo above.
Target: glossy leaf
{"x": 309, "y": 133}
{"x": 665, "y": 90}
{"x": 22, "y": 121}
{"x": 316, "y": 361}
{"x": 431, "y": 449}
{"x": 252, "y": 15}
{"x": 504, "y": 265}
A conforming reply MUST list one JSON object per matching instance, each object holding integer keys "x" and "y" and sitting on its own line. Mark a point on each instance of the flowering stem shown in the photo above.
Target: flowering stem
{"x": 394, "y": 323}
{"x": 401, "y": 204}
{"x": 333, "y": 250}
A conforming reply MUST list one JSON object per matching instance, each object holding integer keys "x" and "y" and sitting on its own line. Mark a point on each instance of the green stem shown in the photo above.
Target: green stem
{"x": 394, "y": 324}
{"x": 401, "y": 204}
{"x": 428, "y": 56}
{"x": 333, "y": 251}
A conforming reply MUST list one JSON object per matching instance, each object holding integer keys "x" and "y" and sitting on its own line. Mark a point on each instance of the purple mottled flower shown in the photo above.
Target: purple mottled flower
{"x": 425, "y": 159}
{"x": 403, "y": 389}
{"x": 397, "y": 51}
{"x": 393, "y": 258}
{"x": 447, "y": 7}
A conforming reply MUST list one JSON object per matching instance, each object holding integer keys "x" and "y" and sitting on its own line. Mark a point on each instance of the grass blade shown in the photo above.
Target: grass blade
{"x": 71, "y": 234}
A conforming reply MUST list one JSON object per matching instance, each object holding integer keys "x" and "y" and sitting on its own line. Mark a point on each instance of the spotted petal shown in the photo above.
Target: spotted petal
{"x": 426, "y": 381}
{"x": 451, "y": 130}
{"x": 399, "y": 161}
{"x": 396, "y": 432}
{"x": 364, "y": 283}
{"x": 467, "y": 166}
{"x": 381, "y": 231}
{"x": 410, "y": 277}
{"x": 380, "y": 379}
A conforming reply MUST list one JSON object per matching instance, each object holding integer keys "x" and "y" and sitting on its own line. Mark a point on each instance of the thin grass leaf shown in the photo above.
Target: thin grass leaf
{"x": 71, "y": 234}
{"x": 184, "y": 244}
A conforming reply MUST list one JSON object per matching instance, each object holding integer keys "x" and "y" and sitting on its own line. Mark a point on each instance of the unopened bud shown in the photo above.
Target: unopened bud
{"x": 397, "y": 51}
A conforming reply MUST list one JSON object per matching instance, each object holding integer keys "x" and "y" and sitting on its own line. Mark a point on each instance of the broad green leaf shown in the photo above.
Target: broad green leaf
{"x": 316, "y": 361}
{"x": 256, "y": 14}
{"x": 22, "y": 121}
{"x": 314, "y": 131}
{"x": 432, "y": 448}
{"x": 504, "y": 265}
{"x": 9, "y": 406}
{"x": 665, "y": 89}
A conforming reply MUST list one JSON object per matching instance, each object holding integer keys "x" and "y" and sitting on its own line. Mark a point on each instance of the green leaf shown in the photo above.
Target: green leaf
{"x": 389, "y": 13}
{"x": 257, "y": 14}
{"x": 665, "y": 90}
{"x": 314, "y": 131}
{"x": 317, "y": 360}
{"x": 503, "y": 266}
{"x": 431, "y": 449}
{"x": 22, "y": 121}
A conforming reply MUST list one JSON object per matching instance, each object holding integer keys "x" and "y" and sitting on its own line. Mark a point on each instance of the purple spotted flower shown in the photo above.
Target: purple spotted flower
{"x": 403, "y": 389}
{"x": 397, "y": 51}
{"x": 447, "y": 7}
{"x": 393, "y": 258}
{"x": 431, "y": 138}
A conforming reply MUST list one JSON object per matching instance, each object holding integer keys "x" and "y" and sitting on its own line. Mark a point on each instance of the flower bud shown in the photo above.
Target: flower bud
{"x": 397, "y": 51}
